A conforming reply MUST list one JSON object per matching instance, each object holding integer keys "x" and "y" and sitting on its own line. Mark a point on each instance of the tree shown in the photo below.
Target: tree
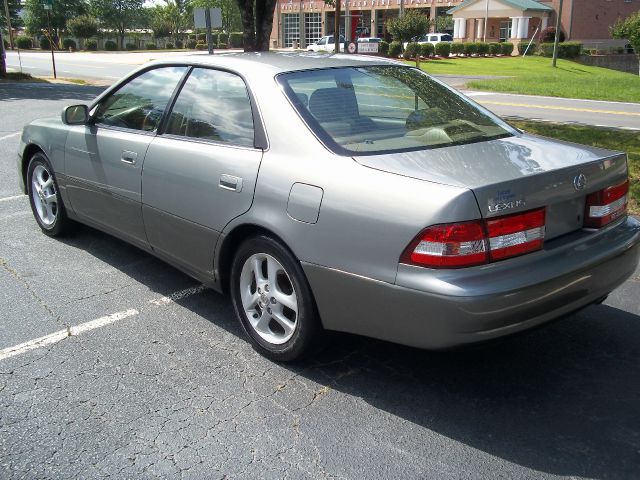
{"x": 629, "y": 29}
{"x": 443, "y": 23}
{"x": 16, "y": 20}
{"x": 83, "y": 27}
{"x": 35, "y": 18}
{"x": 3, "y": 63}
{"x": 119, "y": 15}
{"x": 404, "y": 28}
{"x": 161, "y": 28}
{"x": 256, "y": 23}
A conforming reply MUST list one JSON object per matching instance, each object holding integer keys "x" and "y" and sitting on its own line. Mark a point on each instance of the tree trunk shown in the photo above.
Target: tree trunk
{"x": 248, "y": 24}
{"x": 264, "y": 23}
{"x": 3, "y": 64}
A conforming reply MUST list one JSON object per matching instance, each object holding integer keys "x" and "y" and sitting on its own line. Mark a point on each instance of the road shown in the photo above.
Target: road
{"x": 157, "y": 380}
{"x": 108, "y": 67}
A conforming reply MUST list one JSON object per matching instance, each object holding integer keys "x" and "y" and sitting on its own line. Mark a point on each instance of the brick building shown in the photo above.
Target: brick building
{"x": 301, "y": 22}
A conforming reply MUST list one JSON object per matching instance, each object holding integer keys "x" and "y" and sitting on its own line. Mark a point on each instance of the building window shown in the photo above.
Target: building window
{"x": 291, "y": 22}
{"x": 312, "y": 27}
{"x": 505, "y": 31}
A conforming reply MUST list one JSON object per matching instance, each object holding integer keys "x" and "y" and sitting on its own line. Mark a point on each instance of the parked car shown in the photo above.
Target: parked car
{"x": 344, "y": 193}
{"x": 433, "y": 38}
{"x": 326, "y": 44}
{"x": 369, "y": 40}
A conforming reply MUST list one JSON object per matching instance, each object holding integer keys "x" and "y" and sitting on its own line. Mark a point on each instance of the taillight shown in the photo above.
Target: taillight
{"x": 467, "y": 244}
{"x": 605, "y": 206}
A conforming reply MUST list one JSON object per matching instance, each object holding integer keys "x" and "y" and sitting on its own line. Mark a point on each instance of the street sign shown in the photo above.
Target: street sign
{"x": 366, "y": 47}
{"x": 200, "y": 21}
{"x": 47, "y": 4}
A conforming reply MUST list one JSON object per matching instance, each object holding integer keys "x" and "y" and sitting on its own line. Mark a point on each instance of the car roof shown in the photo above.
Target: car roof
{"x": 277, "y": 62}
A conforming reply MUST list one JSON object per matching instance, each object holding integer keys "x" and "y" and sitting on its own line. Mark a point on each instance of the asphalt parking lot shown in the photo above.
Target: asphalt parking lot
{"x": 163, "y": 384}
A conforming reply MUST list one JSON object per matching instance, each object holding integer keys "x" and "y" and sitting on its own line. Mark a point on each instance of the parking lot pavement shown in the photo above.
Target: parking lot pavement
{"x": 156, "y": 379}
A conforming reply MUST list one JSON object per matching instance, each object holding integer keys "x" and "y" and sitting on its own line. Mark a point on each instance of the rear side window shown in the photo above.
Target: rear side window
{"x": 213, "y": 105}
{"x": 140, "y": 103}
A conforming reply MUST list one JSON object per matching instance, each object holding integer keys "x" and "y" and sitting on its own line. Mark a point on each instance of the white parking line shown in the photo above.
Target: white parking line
{"x": 7, "y": 199}
{"x": 9, "y": 136}
{"x": 62, "y": 334}
{"x": 93, "y": 324}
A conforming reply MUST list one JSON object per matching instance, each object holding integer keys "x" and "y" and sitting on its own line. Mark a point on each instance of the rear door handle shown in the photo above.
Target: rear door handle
{"x": 129, "y": 157}
{"x": 229, "y": 182}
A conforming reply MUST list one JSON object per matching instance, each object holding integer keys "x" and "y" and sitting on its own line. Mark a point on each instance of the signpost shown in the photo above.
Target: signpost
{"x": 207, "y": 18}
{"x": 48, "y": 6}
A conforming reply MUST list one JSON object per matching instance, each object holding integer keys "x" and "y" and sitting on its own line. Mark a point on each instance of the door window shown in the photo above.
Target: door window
{"x": 140, "y": 103}
{"x": 213, "y": 105}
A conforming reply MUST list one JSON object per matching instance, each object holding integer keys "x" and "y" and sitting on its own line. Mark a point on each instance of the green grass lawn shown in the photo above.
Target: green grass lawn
{"x": 598, "y": 137}
{"x": 536, "y": 76}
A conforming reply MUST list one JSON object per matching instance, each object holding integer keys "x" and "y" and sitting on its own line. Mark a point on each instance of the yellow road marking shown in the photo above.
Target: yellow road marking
{"x": 553, "y": 107}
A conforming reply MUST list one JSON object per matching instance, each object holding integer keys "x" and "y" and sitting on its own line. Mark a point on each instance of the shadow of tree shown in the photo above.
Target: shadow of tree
{"x": 48, "y": 91}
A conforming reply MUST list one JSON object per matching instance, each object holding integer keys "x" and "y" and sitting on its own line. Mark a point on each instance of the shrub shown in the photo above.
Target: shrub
{"x": 222, "y": 45}
{"x": 24, "y": 42}
{"x": 131, "y": 46}
{"x": 457, "y": 48}
{"x": 83, "y": 26}
{"x": 169, "y": 45}
{"x": 214, "y": 38}
{"x": 470, "y": 48}
{"x": 5, "y": 43}
{"x": 191, "y": 44}
{"x": 110, "y": 45}
{"x": 179, "y": 44}
{"x": 411, "y": 25}
{"x": 565, "y": 49}
{"x": 45, "y": 44}
{"x": 443, "y": 49}
{"x": 223, "y": 38}
{"x": 235, "y": 39}
{"x": 191, "y": 36}
{"x": 91, "y": 45}
{"x": 151, "y": 46}
{"x": 201, "y": 37}
{"x": 549, "y": 35}
{"x": 383, "y": 48}
{"x": 495, "y": 48}
{"x": 522, "y": 47}
{"x": 395, "y": 49}
{"x": 411, "y": 51}
{"x": 69, "y": 43}
{"x": 202, "y": 46}
{"x": 427, "y": 49}
{"x": 506, "y": 48}
{"x": 482, "y": 48}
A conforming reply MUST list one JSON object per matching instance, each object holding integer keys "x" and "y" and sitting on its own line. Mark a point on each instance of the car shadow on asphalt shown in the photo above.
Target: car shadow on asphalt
{"x": 48, "y": 91}
{"x": 562, "y": 399}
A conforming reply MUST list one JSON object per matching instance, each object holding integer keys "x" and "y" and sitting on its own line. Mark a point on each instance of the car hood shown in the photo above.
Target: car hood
{"x": 485, "y": 163}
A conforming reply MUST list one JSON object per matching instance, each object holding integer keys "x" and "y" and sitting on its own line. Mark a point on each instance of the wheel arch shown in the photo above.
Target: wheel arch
{"x": 230, "y": 244}
{"x": 29, "y": 151}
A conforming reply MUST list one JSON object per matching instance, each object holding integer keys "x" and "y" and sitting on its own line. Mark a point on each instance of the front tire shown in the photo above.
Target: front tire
{"x": 272, "y": 300}
{"x": 44, "y": 197}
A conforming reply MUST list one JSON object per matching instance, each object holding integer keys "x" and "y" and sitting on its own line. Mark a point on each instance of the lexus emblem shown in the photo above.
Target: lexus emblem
{"x": 580, "y": 181}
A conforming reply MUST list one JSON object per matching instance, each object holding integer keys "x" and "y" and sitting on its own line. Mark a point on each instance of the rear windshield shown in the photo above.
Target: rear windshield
{"x": 380, "y": 109}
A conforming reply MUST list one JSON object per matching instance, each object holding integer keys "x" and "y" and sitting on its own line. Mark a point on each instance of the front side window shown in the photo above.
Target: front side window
{"x": 140, "y": 103}
{"x": 381, "y": 109}
{"x": 213, "y": 105}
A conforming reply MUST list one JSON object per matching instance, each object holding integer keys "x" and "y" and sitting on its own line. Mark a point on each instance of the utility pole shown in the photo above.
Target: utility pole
{"x": 557, "y": 39}
{"x": 336, "y": 34}
{"x": 6, "y": 12}
{"x": 486, "y": 20}
{"x": 401, "y": 8}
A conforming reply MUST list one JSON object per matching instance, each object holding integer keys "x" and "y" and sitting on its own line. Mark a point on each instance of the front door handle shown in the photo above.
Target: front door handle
{"x": 229, "y": 182}
{"x": 129, "y": 157}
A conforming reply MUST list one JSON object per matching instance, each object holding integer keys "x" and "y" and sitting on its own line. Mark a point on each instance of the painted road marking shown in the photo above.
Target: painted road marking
{"x": 10, "y": 136}
{"x": 93, "y": 324}
{"x": 7, "y": 199}
{"x": 62, "y": 334}
{"x": 553, "y": 107}
{"x": 174, "y": 297}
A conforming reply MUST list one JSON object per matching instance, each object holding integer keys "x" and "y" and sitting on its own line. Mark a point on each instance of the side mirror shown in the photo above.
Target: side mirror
{"x": 75, "y": 115}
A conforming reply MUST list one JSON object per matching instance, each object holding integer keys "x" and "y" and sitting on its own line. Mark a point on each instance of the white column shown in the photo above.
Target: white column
{"x": 523, "y": 27}
{"x": 545, "y": 22}
{"x": 463, "y": 28}
{"x": 515, "y": 21}
{"x": 480, "y": 28}
{"x": 456, "y": 28}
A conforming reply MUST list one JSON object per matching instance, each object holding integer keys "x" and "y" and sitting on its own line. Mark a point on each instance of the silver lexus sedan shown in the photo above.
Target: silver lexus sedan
{"x": 338, "y": 192}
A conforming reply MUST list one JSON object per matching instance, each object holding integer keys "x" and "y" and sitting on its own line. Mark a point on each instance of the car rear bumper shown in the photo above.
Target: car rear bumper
{"x": 439, "y": 309}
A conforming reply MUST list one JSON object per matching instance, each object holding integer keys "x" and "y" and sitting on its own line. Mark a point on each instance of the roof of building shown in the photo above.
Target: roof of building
{"x": 520, "y": 4}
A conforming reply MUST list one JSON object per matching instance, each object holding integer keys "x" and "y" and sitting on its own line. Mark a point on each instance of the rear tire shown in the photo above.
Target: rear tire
{"x": 44, "y": 197}
{"x": 272, "y": 300}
